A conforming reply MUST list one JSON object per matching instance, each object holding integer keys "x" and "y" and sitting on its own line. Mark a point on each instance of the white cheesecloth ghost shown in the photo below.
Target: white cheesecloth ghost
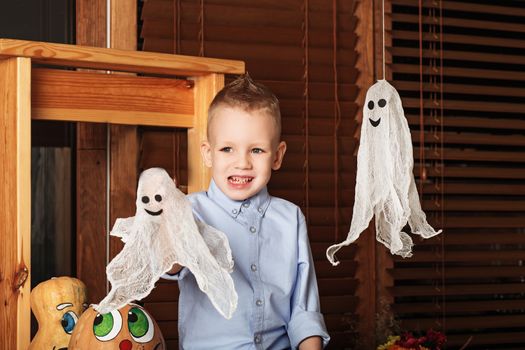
{"x": 163, "y": 232}
{"x": 385, "y": 185}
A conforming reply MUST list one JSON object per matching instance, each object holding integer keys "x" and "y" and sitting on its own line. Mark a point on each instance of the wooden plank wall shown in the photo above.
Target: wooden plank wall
{"x": 92, "y": 149}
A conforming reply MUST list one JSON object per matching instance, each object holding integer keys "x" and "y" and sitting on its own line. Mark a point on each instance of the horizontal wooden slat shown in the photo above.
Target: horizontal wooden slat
{"x": 458, "y": 272}
{"x": 461, "y": 39}
{"x": 461, "y": 72}
{"x": 471, "y": 139}
{"x": 456, "y": 120}
{"x": 338, "y": 304}
{"x": 337, "y": 286}
{"x": 467, "y": 256}
{"x": 485, "y": 338}
{"x": 486, "y": 221}
{"x": 454, "y": 171}
{"x": 458, "y": 55}
{"x": 474, "y": 155}
{"x": 478, "y": 205}
{"x": 480, "y": 8}
{"x": 469, "y": 322}
{"x": 71, "y": 95}
{"x": 119, "y": 60}
{"x": 462, "y": 23}
{"x": 477, "y": 106}
{"x": 463, "y": 289}
{"x": 464, "y": 89}
{"x": 492, "y": 237}
{"x": 455, "y": 307}
{"x": 489, "y": 188}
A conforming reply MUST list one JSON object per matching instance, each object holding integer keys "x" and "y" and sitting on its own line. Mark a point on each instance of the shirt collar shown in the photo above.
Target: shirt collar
{"x": 259, "y": 203}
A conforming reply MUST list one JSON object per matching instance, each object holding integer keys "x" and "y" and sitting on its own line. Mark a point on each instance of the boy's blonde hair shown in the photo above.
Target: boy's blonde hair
{"x": 248, "y": 95}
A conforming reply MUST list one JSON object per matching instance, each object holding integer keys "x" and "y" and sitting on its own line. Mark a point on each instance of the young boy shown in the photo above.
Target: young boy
{"x": 278, "y": 306}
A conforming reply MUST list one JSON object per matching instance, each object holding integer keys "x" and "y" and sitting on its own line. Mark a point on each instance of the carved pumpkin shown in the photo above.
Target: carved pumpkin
{"x": 130, "y": 327}
{"x": 57, "y": 303}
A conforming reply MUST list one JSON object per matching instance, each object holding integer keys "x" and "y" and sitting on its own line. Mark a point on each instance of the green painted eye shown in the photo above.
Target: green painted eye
{"x": 107, "y": 326}
{"x": 140, "y": 325}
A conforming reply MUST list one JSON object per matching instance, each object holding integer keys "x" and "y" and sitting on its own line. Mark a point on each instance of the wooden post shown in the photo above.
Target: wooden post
{"x": 124, "y": 145}
{"x": 91, "y": 168}
{"x": 206, "y": 87}
{"x": 15, "y": 202}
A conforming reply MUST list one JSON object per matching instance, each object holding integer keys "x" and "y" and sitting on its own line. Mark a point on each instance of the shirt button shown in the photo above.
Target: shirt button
{"x": 253, "y": 267}
{"x": 246, "y": 204}
{"x": 257, "y": 339}
{"x": 234, "y": 211}
{"x": 260, "y": 210}
{"x": 259, "y": 302}
{"x": 253, "y": 229}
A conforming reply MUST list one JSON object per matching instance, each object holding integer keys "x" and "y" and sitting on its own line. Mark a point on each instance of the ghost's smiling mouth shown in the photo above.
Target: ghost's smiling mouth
{"x": 375, "y": 123}
{"x": 153, "y": 213}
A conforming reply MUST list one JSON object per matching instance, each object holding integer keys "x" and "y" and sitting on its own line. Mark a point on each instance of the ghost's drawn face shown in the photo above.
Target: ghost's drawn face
{"x": 375, "y": 111}
{"x": 151, "y": 195}
{"x": 130, "y": 327}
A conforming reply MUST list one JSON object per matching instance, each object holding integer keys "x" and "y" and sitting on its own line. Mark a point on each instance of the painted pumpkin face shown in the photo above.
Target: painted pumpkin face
{"x": 57, "y": 304}
{"x": 128, "y": 328}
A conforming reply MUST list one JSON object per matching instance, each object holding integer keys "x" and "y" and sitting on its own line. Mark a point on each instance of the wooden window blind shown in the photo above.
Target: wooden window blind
{"x": 304, "y": 51}
{"x": 459, "y": 68}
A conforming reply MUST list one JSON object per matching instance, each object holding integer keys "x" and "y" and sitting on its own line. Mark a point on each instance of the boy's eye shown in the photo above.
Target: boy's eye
{"x": 257, "y": 150}
{"x": 226, "y": 149}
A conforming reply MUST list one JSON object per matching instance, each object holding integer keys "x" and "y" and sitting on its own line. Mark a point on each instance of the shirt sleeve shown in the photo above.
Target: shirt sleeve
{"x": 306, "y": 319}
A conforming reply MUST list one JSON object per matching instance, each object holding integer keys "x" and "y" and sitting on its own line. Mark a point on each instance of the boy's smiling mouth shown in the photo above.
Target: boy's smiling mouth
{"x": 239, "y": 180}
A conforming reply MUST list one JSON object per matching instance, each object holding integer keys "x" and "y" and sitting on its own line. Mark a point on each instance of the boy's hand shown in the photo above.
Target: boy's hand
{"x": 174, "y": 269}
{"x": 311, "y": 343}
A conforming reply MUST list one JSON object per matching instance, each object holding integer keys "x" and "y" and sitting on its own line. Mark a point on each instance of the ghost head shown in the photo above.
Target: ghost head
{"x": 385, "y": 186}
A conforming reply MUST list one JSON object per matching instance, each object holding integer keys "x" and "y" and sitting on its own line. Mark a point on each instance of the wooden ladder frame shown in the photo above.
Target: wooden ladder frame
{"x": 176, "y": 93}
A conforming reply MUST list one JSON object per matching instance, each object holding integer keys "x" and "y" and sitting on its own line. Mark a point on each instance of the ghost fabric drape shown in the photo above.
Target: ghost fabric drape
{"x": 385, "y": 185}
{"x": 163, "y": 232}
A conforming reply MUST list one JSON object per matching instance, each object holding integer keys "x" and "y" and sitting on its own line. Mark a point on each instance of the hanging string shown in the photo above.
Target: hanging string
{"x": 442, "y": 178}
{"x": 384, "y": 44}
{"x": 337, "y": 120}
{"x": 306, "y": 94}
{"x": 422, "y": 170}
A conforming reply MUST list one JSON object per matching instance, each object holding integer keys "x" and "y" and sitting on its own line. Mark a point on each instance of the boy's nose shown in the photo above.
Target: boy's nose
{"x": 243, "y": 162}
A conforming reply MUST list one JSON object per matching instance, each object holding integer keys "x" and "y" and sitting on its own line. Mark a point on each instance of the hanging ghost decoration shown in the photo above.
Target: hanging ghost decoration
{"x": 385, "y": 185}
{"x": 164, "y": 232}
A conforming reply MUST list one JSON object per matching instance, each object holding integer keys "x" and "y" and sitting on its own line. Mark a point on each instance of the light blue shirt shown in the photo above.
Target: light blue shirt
{"x": 274, "y": 277}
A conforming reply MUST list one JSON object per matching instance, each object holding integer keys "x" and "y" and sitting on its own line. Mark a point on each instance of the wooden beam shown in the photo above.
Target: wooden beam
{"x": 206, "y": 87}
{"x": 91, "y": 167}
{"x": 133, "y": 100}
{"x": 15, "y": 199}
{"x": 117, "y": 60}
{"x": 124, "y": 139}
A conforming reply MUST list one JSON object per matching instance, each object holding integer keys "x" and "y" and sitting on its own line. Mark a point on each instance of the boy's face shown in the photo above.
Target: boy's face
{"x": 242, "y": 150}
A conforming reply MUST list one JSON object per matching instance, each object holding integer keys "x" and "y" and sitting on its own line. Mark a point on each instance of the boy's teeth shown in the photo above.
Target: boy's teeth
{"x": 240, "y": 180}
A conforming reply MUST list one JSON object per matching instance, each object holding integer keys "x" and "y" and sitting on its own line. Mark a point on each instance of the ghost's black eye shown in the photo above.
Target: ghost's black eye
{"x": 370, "y": 104}
{"x": 381, "y": 102}
{"x": 158, "y": 197}
{"x": 145, "y": 199}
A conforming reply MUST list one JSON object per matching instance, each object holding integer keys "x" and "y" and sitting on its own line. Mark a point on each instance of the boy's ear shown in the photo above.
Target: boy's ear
{"x": 206, "y": 153}
{"x": 279, "y": 155}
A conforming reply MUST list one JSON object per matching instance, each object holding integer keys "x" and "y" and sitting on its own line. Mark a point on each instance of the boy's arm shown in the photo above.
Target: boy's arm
{"x": 306, "y": 325}
{"x": 311, "y": 343}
